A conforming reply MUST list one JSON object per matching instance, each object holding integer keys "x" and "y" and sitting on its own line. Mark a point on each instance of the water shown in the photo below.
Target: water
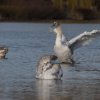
{"x": 27, "y": 42}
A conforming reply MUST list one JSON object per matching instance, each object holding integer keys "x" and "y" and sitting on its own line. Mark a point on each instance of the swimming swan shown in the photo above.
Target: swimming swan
{"x": 3, "y": 52}
{"x": 47, "y": 70}
{"x": 64, "y": 48}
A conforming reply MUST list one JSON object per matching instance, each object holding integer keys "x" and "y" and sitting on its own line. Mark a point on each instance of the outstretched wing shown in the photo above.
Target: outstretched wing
{"x": 83, "y": 39}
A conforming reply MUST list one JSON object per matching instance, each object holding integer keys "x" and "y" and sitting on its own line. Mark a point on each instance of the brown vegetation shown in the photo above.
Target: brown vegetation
{"x": 49, "y": 9}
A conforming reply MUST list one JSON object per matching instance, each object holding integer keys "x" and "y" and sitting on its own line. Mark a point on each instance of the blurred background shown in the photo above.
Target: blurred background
{"x": 33, "y": 10}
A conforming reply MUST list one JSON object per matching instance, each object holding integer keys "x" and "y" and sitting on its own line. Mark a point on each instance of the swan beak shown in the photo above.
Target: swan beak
{"x": 51, "y": 28}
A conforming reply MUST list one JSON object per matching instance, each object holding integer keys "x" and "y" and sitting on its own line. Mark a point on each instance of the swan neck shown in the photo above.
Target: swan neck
{"x": 58, "y": 41}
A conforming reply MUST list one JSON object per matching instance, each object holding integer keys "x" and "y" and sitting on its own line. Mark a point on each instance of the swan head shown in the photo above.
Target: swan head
{"x": 56, "y": 28}
{"x": 56, "y": 24}
{"x": 47, "y": 60}
{"x": 44, "y": 61}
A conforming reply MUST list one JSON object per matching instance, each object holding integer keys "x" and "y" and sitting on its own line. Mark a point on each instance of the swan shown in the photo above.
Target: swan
{"x": 48, "y": 70}
{"x": 3, "y": 52}
{"x": 64, "y": 48}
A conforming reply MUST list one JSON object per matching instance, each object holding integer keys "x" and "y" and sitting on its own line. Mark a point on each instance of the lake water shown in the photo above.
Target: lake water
{"x": 27, "y": 42}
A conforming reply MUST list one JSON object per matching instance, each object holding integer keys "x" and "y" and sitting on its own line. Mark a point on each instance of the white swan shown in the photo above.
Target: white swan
{"x": 64, "y": 48}
{"x": 3, "y": 52}
{"x": 47, "y": 70}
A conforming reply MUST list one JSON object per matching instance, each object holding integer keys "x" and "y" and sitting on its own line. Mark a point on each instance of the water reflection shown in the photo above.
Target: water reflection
{"x": 47, "y": 88}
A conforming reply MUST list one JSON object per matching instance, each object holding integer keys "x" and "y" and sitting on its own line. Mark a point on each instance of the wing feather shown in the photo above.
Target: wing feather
{"x": 83, "y": 39}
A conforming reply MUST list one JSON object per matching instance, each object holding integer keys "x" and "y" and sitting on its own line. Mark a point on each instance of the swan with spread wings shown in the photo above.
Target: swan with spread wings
{"x": 64, "y": 48}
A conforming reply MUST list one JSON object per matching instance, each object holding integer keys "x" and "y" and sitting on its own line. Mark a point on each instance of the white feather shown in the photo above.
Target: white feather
{"x": 83, "y": 39}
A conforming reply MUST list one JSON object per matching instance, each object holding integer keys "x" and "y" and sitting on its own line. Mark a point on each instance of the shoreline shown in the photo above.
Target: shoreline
{"x": 50, "y": 21}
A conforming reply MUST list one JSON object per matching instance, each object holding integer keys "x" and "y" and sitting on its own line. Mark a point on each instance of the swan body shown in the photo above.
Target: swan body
{"x": 47, "y": 70}
{"x": 63, "y": 53}
{"x": 64, "y": 48}
{"x": 3, "y": 52}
